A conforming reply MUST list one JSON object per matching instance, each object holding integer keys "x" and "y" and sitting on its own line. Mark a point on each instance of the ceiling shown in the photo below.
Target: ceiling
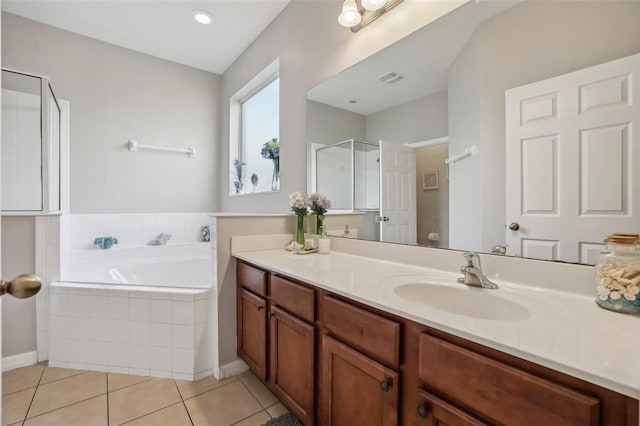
{"x": 161, "y": 28}
{"x": 423, "y": 58}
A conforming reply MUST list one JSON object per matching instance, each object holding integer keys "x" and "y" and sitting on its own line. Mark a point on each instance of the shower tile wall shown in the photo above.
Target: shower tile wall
{"x": 48, "y": 269}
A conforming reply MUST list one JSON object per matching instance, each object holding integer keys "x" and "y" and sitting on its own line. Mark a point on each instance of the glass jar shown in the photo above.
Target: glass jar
{"x": 618, "y": 274}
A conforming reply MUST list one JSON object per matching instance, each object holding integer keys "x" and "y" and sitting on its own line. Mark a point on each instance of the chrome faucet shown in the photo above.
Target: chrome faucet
{"x": 473, "y": 274}
{"x": 160, "y": 240}
{"x": 500, "y": 250}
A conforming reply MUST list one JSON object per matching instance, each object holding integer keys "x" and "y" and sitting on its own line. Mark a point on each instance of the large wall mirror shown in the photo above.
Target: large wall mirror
{"x": 504, "y": 127}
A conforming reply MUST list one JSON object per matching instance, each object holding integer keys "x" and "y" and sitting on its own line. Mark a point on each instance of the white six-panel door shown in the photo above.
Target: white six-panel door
{"x": 397, "y": 193}
{"x": 573, "y": 161}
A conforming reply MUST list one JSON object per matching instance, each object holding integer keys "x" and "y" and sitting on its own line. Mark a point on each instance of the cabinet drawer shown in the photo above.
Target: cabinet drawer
{"x": 434, "y": 411}
{"x": 251, "y": 278}
{"x": 499, "y": 392}
{"x": 292, "y": 297}
{"x": 372, "y": 334}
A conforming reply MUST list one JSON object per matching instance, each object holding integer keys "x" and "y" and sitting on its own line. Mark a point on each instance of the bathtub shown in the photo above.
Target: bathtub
{"x": 182, "y": 274}
{"x": 121, "y": 313}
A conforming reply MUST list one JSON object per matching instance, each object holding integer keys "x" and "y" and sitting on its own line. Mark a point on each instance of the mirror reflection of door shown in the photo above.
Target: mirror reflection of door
{"x": 570, "y": 156}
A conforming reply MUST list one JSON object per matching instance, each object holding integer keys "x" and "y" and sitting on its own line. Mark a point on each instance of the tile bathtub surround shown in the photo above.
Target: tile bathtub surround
{"x": 40, "y": 395}
{"x": 133, "y": 230}
{"x": 130, "y": 332}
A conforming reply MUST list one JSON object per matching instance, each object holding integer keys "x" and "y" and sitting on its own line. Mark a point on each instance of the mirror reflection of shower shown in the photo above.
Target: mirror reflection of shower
{"x": 31, "y": 135}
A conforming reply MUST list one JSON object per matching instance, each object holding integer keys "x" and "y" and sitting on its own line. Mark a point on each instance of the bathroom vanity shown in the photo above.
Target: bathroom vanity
{"x": 337, "y": 342}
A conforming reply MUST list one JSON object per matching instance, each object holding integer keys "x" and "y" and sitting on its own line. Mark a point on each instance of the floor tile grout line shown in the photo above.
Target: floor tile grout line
{"x": 148, "y": 414}
{"x": 64, "y": 378}
{"x": 26, "y": 414}
{"x": 254, "y": 395}
{"x": 212, "y": 389}
{"x": 128, "y": 386}
{"x": 251, "y": 415}
{"x": 64, "y": 406}
{"x": 183, "y": 403}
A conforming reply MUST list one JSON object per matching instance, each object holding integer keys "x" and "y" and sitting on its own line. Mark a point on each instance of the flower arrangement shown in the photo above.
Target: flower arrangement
{"x": 237, "y": 173}
{"x": 319, "y": 205}
{"x": 299, "y": 204}
{"x": 271, "y": 149}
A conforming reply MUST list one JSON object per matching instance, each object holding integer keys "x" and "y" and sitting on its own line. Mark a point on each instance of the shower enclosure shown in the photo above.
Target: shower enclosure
{"x": 31, "y": 138}
{"x": 348, "y": 173}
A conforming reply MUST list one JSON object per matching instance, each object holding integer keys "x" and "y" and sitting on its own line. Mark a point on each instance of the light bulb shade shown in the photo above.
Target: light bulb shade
{"x": 373, "y": 4}
{"x": 350, "y": 16}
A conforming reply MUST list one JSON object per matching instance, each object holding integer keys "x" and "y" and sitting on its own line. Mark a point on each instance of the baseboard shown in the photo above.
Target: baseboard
{"x": 20, "y": 360}
{"x": 232, "y": 369}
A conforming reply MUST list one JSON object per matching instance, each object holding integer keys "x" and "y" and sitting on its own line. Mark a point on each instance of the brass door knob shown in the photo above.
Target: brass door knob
{"x": 514, "y": 226}
{"x": 22, "y": 286}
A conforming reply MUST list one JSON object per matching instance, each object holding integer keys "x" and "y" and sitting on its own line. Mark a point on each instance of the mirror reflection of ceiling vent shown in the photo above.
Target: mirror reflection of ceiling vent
{"x": 392, "y": 77}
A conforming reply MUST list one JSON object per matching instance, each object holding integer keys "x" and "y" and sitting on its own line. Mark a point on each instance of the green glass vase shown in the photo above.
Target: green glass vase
{"x": 300, "y": 230}
{"x": 320, "y": 224}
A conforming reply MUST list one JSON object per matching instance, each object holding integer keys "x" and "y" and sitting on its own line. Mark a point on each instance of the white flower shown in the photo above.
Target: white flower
{"x": 298, "y": 202}
{"x": 319, "y": 203}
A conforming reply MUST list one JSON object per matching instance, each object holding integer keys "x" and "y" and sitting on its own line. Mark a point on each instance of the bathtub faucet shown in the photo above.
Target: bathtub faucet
{"x": 160, "y": 240}
{"x": 105, "y": 242}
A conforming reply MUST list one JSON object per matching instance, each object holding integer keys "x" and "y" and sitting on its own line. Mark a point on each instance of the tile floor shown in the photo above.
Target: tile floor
{"x": 44, "y": 396}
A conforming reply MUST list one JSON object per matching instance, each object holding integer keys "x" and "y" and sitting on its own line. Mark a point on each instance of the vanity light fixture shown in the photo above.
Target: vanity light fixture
{"x": 357, "y": 14}
{"x": 202, "y": 17}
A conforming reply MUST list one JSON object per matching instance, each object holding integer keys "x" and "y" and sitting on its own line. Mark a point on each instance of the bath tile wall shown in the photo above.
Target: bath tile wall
{"x": 48, "y": 269}
{"x": 130, "y": 332}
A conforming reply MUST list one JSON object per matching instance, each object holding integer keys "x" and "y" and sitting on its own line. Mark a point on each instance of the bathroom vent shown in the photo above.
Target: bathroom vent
{"x": 392, "y": 77}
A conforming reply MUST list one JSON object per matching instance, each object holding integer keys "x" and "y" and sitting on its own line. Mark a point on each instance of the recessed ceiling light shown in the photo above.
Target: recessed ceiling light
{"x": 202, "y": 17}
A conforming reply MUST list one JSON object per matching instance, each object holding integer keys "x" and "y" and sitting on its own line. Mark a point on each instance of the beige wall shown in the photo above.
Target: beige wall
{"x": 311, "y": 47}
{"x": 250, "y": 225}
{"x": 432, "y": 205}
{"x": 117, "y": 94}
{"x": 532, "y": 41}
{"x": 18, "y": 257}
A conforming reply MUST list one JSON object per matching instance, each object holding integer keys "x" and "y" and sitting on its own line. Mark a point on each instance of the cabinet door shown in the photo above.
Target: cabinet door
{"x": 435, "y": 412}
{"x": 252, "y": 332}
{"x": 355, "y": 389}
{"x": 292, "y": 363}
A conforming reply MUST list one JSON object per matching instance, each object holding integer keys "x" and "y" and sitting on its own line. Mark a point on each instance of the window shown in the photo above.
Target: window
{"x": 255, "y": 160}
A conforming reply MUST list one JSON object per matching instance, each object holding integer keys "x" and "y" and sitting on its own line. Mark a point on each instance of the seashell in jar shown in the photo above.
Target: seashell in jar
{"x": 603, "y": 291}
{"x": 633, "y": 289}
{"x": 615, "y": 295}
{"x": 630, "y": 297}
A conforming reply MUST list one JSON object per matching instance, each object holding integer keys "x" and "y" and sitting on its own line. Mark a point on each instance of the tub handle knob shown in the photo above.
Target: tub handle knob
{"x": 22, "y": 286}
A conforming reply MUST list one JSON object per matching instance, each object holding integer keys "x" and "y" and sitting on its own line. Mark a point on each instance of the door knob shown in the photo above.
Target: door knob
{"x": 22, "y": 286}
{"x": 514, "y": 226}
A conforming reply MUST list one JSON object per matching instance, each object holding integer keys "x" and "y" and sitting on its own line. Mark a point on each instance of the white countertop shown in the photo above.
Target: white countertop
{"x": 560, "y": 330}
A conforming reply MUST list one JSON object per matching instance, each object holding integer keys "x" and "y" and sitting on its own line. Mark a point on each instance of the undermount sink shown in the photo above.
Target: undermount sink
{"x": 461, "y": 300}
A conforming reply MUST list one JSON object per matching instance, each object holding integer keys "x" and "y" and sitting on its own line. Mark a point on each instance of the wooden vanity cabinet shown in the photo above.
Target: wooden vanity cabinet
{"x": 359, "y": 368}
{"x": 334, "y": 361}
{"x": 276, "y": 336}
{"x": 252, "y": 326}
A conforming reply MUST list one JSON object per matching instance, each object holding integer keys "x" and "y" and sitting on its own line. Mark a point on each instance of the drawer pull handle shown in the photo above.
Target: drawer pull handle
{"x": 270, "y": 314}
{"x": 423, "y": 411}
{"x": 385, "y": 385}
{"x": 260, "y": 307}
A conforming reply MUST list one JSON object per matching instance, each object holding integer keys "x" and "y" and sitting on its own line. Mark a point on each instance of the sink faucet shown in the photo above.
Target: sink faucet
{"x": 160, "y": 240}
{"x": 473, "y": 273}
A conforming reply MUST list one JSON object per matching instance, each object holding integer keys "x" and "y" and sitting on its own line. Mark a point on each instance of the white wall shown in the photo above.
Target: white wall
{"x": 422, "y": 119}
{"x": 18, "y": 257}
{"x": 432, "y": 205}
{"x": 529, "y": 42}
{"x": 116, "y": 95}
{"x": 311, "y": 47}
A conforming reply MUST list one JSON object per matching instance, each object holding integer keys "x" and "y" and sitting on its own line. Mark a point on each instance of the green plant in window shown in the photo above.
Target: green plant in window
{"x": 238, "y": 175}
{"x": 271, "y": 151}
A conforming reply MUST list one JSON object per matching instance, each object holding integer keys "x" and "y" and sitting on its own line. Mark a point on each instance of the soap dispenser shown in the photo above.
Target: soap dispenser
{"x": 324, "y": 244}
